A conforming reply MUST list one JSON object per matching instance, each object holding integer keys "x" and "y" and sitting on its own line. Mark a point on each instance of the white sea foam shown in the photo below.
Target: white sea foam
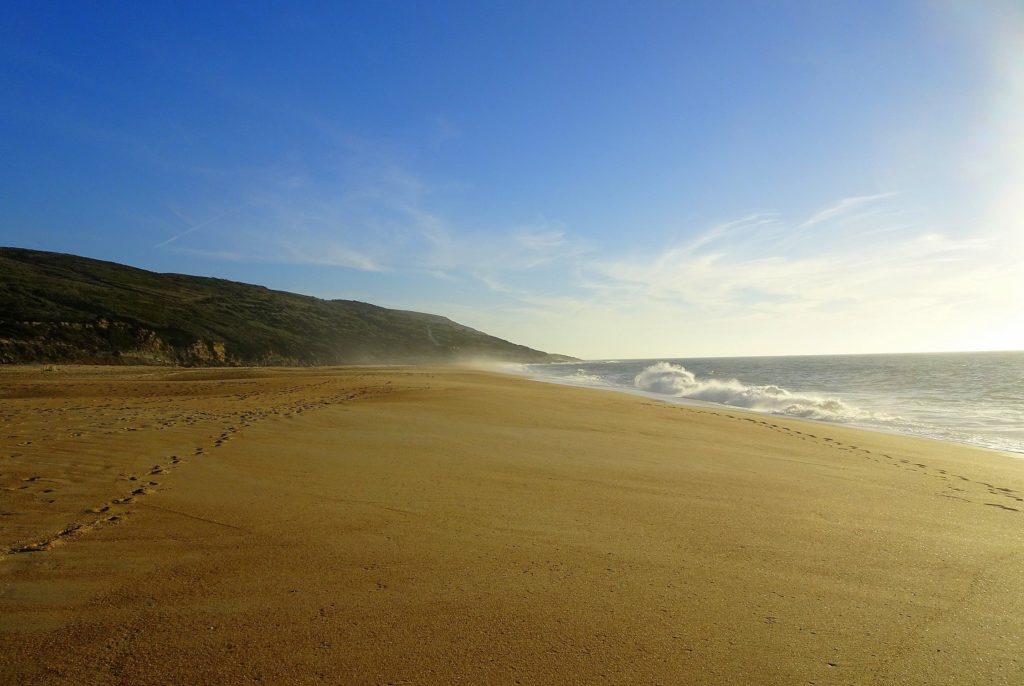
{"x": 582, "y": 376}
{"x": 973, "y": 398}
{"x": 675, "y": 380}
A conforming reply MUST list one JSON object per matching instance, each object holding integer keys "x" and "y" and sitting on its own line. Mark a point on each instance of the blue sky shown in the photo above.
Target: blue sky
{"x": 604, "y": 179}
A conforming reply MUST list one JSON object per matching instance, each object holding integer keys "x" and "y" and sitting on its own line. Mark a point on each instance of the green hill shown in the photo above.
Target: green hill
{"x": 61, "y": 309}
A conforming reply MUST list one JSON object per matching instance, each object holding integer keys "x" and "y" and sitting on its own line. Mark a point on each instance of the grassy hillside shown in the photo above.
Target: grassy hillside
{"x": 63, "y": 308}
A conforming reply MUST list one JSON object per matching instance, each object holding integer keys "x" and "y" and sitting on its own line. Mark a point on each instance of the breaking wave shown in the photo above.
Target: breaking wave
{"x": 675, "y": 380}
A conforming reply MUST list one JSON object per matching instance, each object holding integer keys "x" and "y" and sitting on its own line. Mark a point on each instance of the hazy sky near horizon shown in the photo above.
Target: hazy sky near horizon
{"x": 603, "y": 179}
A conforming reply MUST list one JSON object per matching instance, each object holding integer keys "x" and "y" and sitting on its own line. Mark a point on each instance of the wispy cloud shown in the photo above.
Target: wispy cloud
{"x": 844, "y": 207}
{"x": 330, "y": 256}
{"x": 367, "y": 214}
{"x": 727, "y": 230}
{"x": 756, "y": 272}
{"x": 862, "y": 271}
{"x": 864, "y": 285}
{"x": 194, "y": 227}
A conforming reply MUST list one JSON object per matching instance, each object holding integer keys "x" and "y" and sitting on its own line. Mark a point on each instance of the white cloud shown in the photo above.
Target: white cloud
{"x": 330, "y": 255}
{"x": 194, "y": 226}
{"x": 760, "y": 285}
{"x": 860, "y": 282}
{"x": 368, "y": 215}
{"x": 843, "y": 207}
{"x": 864, "y": 273}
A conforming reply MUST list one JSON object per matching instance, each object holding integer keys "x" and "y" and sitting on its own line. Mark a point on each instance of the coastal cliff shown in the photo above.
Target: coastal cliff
{"x": 57, "y": 308}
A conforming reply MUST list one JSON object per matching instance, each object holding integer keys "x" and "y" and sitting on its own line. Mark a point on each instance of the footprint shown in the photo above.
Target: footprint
{"x": 1003, "y": 507}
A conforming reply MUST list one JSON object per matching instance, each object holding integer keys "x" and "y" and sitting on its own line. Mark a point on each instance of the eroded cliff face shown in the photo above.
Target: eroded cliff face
{"x": 209, "y": 352}
{"x": 104, "y": 341}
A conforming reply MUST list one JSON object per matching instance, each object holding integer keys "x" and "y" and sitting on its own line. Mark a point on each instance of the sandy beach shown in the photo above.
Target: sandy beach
{"x": 437, "y": 526}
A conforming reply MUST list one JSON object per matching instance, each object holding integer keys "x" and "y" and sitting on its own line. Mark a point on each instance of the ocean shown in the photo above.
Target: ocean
{"x": 972, "y": 398}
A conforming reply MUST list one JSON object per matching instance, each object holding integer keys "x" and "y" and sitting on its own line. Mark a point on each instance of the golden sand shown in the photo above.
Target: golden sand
{"x": 432, "y": 526}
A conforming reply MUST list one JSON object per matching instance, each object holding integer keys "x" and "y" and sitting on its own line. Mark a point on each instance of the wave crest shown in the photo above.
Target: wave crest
{"x": 675, "y": 380}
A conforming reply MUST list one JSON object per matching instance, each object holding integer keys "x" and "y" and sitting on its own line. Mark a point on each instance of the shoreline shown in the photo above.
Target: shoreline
{"x": 692, "y": 402}
{"x": 719, "y": 407}
{"x": 430, "y": 525}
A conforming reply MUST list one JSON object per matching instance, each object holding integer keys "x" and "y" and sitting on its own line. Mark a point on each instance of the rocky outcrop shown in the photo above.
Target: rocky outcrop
{"x": 105, "y": 342}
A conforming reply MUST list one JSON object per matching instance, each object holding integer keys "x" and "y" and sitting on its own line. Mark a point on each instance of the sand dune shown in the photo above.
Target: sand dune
{"x": 417, "y": 526}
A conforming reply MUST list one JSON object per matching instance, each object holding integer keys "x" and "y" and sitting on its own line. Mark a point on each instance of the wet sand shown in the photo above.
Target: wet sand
{"x": 435, "y": 526}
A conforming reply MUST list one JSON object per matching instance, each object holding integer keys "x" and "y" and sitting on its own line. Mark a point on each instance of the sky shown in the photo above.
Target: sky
{"x": 600, "y": 179}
